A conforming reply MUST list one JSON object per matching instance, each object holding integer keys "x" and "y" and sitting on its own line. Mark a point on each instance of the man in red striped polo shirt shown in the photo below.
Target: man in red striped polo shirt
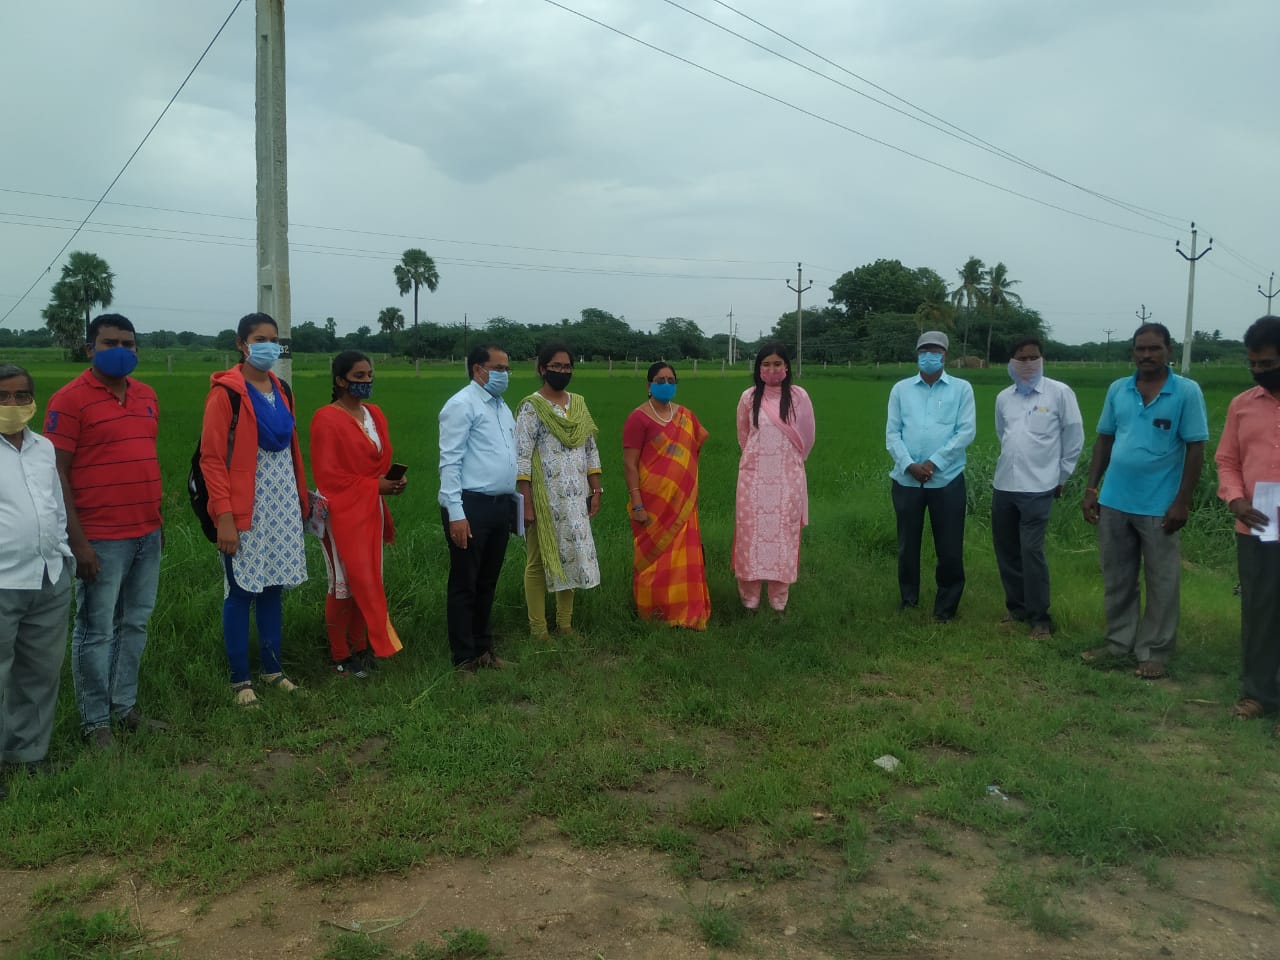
{"x": 103, "y": 427}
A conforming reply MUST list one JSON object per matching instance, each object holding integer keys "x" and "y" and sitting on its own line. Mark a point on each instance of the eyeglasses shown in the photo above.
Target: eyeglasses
{"x": 501, "y": 368}
{"x": 20, "y": 398}
{"x": 560, "y": 367}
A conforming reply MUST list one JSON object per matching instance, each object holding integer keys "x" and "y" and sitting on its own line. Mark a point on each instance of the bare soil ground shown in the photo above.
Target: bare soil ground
{"x": 555, "y": 900}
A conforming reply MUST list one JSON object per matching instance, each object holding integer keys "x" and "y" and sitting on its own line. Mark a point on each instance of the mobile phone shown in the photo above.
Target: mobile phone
{"x": 397, "y": 472}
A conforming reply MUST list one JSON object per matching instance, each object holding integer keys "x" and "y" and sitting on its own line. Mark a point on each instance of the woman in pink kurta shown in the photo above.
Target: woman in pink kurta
{"x": 775, "y": 431}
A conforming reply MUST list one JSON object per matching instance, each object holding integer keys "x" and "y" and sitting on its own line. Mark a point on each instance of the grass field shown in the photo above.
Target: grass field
{"x": 770, "y": 726}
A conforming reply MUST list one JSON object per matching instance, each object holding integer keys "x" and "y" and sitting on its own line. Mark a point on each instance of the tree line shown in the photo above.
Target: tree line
{"x": 874, "y": 314}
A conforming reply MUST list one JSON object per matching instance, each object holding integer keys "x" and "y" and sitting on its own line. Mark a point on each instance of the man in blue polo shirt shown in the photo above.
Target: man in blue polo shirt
{"x": 930, "y": 425}
{"x": 1150, "y": 446}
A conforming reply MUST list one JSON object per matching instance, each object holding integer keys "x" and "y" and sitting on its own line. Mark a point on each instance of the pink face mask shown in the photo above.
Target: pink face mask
{"x": 773, "y": 376}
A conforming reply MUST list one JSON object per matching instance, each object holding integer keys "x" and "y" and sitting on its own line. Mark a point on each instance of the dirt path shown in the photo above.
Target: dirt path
{"x": 554, "y": 901}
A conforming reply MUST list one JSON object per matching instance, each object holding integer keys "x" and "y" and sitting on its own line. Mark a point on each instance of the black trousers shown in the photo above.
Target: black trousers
{"x": 1259, "y": 565}
{"x": 473, "y": 573}
{"x": 1018, "y": 525}
{"x": 946, "y": 508}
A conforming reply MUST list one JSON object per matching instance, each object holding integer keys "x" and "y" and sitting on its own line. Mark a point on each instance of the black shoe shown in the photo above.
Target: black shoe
{"x": 100, "y": 739}
{"x": 30, "y": 769}
{"x": 350, "y": 667}
{"x": 367, "y": 660}
{"x": 133, "y": 721}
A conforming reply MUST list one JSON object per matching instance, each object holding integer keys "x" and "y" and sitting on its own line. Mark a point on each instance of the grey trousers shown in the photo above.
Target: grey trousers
{"x": 1128, "y": 543}
{"x": 1018, "y": 525}
{"x": 1259, "y": 565}
{"x": 33, "y": 642}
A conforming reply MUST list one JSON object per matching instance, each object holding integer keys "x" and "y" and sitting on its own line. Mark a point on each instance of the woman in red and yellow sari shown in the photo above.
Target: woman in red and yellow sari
{"x": 350, "y": 456}
{"x": 660, "y": 445}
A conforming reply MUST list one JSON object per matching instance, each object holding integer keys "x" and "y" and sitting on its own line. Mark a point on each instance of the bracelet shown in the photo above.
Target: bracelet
{"x": 637, "y": 506}
{"x": 634, "y": 490}
{"x": 596, "y": 492}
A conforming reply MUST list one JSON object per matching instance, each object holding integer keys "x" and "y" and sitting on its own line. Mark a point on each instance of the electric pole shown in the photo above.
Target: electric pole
{"x": 1108, "y": 333}
{"x": 273, "y": 180}
{"x": 1269, "y": 294}
{"x": 1191, "y": 290}
{"x": 1142, "y": 314}
{"x": 799, "y": 288}
{"x": 732, "y": 352}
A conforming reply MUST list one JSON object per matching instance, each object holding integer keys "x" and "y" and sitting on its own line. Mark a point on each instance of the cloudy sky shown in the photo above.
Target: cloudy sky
{"x": 548, "y": 164}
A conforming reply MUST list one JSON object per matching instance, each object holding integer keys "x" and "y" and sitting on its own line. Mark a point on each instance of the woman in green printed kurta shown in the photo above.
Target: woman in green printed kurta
{"x": 558, "y": 474}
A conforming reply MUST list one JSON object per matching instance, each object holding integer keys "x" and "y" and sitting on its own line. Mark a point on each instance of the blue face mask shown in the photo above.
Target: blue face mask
{"x": 929, "y": 362}
{"x": 360, "y": 389}
{"x": 662, "y": 392}
{"x": 115, "y": 362}
{"x": 263, "y": 356}
{"x": 497, "y": 382}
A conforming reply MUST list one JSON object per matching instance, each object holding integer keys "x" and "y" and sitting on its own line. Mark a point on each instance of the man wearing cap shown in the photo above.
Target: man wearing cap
{"x": 931, "y": 423}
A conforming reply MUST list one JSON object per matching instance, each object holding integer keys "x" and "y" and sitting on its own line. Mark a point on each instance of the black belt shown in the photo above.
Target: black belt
{"x": 490, "y": 497}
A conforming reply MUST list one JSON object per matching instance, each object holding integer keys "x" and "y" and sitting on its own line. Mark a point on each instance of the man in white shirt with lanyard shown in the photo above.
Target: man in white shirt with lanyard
{"x": 1041, "y": 437}
{"x": 36, "y": 569}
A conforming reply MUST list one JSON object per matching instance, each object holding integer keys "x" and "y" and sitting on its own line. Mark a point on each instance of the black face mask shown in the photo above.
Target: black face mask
{"x": 558, "y": 380}
{"x": 1268, "y": 380}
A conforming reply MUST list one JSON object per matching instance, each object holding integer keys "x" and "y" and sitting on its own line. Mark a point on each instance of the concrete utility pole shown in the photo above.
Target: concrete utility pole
{"x": 273, "y": 180}
{"x": 1191, "y": 290}
{"x": 732, "y": 351}
{"x": 1142, "y": 314}
{"x": 1270, "y": 293}
{"x": 799, "y": 288}
{"x": 1108, "y": 333}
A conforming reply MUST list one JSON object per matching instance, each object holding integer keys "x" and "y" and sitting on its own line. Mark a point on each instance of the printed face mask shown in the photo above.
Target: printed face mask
{"x": 773, "y": 375}
{"x": 662, "y": 392}
{"x": 13, "y": 419}
{"x": 115, "y": 362}
{"x": 263, "y": 356}
{"x": 558, "y": 379}
{"x": 929, "y": 362}
{"x": 497, "y": 382}
{"x": 360, "y": 389}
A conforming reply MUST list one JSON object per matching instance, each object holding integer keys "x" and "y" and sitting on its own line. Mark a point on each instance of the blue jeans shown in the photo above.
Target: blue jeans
{"x": 110, "y": 629}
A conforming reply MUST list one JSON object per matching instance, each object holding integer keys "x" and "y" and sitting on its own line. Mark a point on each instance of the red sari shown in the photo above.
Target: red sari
{"x": 347, "y": 467}
{"x": 670, "y": 580}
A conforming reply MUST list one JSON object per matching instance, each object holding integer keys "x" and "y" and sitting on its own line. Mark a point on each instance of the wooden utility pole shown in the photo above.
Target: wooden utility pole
{"x": 1191, "y": 291}
{"x": 273, "y": 180}
{"x": 799, "y": 288}
{"x": 1270, "y": 293}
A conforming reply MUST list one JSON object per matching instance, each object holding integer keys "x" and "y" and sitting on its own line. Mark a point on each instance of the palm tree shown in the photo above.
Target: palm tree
{"x": 86, "y": 280}
{"x": 935, "y": 313}
{"x": 390, "y": 320}
{"x": 998, "y": 295}
{"x": 416, "y": 270}
{"x": 969, "y": 293}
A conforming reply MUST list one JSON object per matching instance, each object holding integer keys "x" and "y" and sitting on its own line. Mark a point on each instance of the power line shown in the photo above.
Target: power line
{"x": 391, "y": 236}
{"x": 848, "y": 129}
{"x": 956, "y": 132}
{"x": 114, "y": 180}
{"x": 226, "y": 240}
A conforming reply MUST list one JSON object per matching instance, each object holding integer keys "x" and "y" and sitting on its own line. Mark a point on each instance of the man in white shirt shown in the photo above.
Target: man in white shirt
{"x": 1041, "y": 436}
{"x": 36, "y": 569}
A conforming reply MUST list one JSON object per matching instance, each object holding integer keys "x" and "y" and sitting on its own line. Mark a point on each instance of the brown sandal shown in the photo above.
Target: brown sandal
{"x": 1247, "y": 708}
{"x": 1151, "y": 670}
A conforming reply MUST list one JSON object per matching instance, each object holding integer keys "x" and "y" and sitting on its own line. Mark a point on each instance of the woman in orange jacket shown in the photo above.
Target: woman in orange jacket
{"x": 252, "y": 465}
{"x": 350, "y": 457}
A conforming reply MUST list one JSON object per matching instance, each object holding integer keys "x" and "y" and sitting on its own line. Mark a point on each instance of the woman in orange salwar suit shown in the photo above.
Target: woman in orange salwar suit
{"x": 350, "y": 456}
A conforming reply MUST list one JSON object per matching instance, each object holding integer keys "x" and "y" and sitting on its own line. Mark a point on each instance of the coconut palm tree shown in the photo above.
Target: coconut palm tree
{"x": 969, "y": 293}
{"x": 999, "y": 295}
{"x": 416, "y": 270}
{"x": 391, "y": 319}
{"x": 86, "y": 281}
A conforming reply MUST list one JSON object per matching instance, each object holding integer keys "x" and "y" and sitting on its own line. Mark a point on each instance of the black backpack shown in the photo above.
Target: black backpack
{"x": 197, "y": 489}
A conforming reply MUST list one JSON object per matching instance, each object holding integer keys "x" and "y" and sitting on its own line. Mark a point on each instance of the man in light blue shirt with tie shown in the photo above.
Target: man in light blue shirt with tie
{"x": 477, "y": 502}
{"x": 931, "y": 423}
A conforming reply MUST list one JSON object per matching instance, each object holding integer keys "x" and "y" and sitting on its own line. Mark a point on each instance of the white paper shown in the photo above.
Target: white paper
{"x": 519, "y": 514}
{"x": 1266, "y": 500}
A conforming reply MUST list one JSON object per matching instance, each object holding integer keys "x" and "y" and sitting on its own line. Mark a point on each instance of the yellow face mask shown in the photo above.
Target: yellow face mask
{"x": 13, "y": 419}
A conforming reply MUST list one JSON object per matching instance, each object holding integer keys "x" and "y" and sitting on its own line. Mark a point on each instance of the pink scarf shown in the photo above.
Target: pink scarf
{"x": 800, "y": 429}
